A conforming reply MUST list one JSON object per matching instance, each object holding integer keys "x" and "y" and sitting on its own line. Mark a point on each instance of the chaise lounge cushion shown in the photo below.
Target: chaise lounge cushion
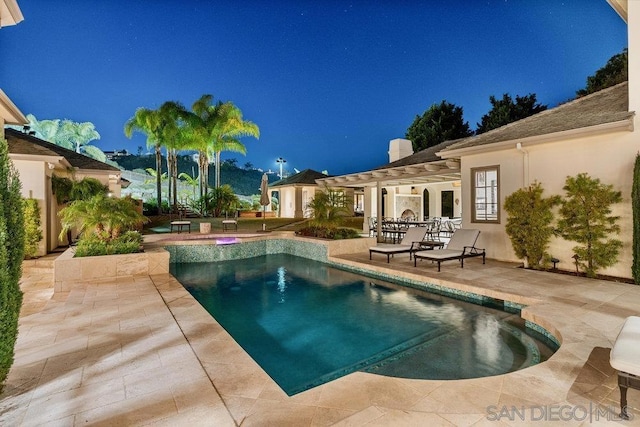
{"x": 625, "y": 355}
{"x": 461, "y": 246}
{"x": 413, "y": 235}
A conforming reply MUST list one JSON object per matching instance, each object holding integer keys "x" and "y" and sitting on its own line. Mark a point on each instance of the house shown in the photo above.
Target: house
{"x": 597, "y": 134}
{"x": 37, "y": 160}
{"x": 295, "y": 192}
{"x": 419, "y": 184}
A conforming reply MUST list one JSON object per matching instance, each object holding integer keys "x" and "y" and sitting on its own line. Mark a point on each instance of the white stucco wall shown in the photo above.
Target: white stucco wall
{"x": 33, "y": 176}
{"x": 609, "y": 158}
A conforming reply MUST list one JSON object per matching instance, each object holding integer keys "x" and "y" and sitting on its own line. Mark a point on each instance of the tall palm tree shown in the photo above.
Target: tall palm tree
{"x": 213, "y": 129}
{"x": 174, "y": 139}
{"x": 147, "y": 121}
{"x": 200, "y": 122}
{"x": 231, "y": 128}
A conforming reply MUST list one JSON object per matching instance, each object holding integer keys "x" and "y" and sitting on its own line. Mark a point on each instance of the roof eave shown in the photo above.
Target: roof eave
{"x": 10, "y": 113}
{"x": 619, "y": 126}
{"x": 621, "y": 7}
{"x": 437, "y": 171}
{"x": 10, "y": 13}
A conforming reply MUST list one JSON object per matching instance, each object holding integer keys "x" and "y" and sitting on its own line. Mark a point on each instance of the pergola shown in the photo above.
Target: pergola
{"x": 423, "y": 173}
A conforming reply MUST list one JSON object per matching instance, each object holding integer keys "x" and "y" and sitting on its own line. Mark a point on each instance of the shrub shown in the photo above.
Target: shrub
{"x": 150, "y": 207}
{"x": 219, "y": 200}
{"x": 32, "y": 231}
{"x": 529, "y": 224}
{"x": 11, "y": 256}
{"x": 107, "y": 225}
{"x": 586, "y": 218}
{"x": 94, "y": 245}
{"x": 324, "y": 232}
{"x": 329, "y": 207}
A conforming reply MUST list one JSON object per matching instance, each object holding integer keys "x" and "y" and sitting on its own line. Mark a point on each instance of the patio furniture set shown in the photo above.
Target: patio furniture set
{"x": 420, "y": 244}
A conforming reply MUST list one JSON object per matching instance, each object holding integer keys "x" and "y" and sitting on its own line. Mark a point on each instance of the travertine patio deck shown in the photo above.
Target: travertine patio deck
{"x": 141, "y": 351}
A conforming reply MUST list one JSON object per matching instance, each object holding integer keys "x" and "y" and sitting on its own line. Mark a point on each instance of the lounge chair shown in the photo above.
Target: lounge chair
{"x": 409, "y": 243}
{"x": 229, "y": 223}
{"x": 624, "y": 358}
{"x": 461, "y": 246}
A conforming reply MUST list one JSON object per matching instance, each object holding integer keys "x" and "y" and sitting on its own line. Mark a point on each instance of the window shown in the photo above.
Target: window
{"x": 485, "y": 194}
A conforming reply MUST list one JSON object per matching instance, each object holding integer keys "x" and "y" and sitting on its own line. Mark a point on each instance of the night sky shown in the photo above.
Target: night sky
{"x": 329, "y": 83}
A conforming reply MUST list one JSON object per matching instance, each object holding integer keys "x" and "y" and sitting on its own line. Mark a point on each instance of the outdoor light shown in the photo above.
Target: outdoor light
{"x": 282, "y": 162}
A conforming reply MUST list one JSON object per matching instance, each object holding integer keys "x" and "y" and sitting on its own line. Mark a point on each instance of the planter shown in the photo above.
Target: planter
{"x": 68, "y": 270}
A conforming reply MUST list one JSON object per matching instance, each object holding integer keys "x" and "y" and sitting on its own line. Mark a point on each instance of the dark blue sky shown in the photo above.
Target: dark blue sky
{"x": 329, "y": 83}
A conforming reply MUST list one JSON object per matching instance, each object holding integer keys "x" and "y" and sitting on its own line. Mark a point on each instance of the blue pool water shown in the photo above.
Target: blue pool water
{"x": 307, "y": 323}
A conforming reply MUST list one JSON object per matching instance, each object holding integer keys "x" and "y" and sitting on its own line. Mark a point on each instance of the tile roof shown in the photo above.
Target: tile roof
{"x": 606, "y": 106}
{"x": 305, "y": 177}
{"x": 22, "y": 143}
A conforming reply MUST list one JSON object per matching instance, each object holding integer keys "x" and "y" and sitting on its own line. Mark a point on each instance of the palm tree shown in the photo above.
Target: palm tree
{"x": 103, "y": 216}
{"x": 190, "y": 180}
{"x": 212, "y": 129}
{"x": 44, "y": 129}
{"x": 68, "y": 134}
{"x": 146, "y": 120}
{"x": 77, "y": 135}
{"x": 231, "y": 128}
{"x": 174, "y": 139}
{"x": 200, "y": 121}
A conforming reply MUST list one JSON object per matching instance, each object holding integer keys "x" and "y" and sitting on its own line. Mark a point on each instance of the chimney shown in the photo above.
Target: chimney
{"x": 399, "y": 149}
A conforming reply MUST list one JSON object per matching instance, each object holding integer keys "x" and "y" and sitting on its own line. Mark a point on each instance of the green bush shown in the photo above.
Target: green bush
{"x": 324, "y": 232}
{"x": 529, "y": 224}
{"x": 585, "y": 217}
{"x": 94, "y": 245}
{"x": 11, "y": 256}
{"x": 32, "y": 231}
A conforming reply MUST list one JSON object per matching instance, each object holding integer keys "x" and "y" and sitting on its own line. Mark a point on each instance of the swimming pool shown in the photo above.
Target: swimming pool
{"x": 307, "y": 323}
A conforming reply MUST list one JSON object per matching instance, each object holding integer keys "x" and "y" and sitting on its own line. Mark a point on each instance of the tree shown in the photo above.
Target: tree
{"x": 505, "y": 111}
{"x": 32, "y": 230}
{"x": 635, "y": 205}
{"x": 586, "y": 218}
{"x": 171, "y": 114}
{"x": 78, "y": 135}
{"x": 104, "y": 217}
{"x": 441, "y": 122}
{"x": 190, "y": 180}
{"x": 68, "y": 190}
{"x": 211, "y": 129}
{"x": 12, "y": 246}
{"x": 68, "y": 134}
{"x": 219, "y": 200}
{"x": 615, "y": 71}
{"x": 328, "y": 207}
{"x": 529, "y": 224}
{"x": 159, "y": 126}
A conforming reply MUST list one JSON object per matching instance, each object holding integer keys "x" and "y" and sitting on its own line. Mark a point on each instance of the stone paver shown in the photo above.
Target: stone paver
{"x": 142, "y": 351}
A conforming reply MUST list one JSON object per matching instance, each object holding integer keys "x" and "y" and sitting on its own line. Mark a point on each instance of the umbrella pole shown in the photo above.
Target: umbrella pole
{"x": 264, "y": 225}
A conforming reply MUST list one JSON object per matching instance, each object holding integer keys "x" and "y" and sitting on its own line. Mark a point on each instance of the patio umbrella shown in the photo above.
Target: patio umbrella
{"x": 264, "y": 197}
